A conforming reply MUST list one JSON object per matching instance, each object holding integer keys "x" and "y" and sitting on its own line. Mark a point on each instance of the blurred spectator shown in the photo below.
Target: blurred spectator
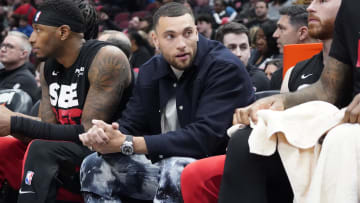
{"x": 272, "y": 66}
{"x": 146, "y": 23}
{"x": 204, "y": 25}
{"x": 24, "y": 27}
{"x": 261, "y": 12}
{"x": 27, "y": 10}
{"x": 202, "y": 7}
{"x": 266, "y": 48}
{"x": 275, "y": 6}
{"x": 247, "y": 13}
{"x": 223, "y": 14}
{"x": 14, "y": 55}
{"x": 118, "y": 39}
{"x": 105, "y": 21}
{"x": 140, "y": 49}
{"x": 235, "y": 37}
{"x": 2, "y": 22}
{"x": 134, "y": 23}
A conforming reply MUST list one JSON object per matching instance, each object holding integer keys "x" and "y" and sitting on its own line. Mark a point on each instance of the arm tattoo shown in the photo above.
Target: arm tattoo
{"x": 109, "y": 75}
{"x": 334, "y": 78}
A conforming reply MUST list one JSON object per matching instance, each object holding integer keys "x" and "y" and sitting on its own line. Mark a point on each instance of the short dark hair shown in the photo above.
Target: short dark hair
{"x": 297, "y": 14}
{"x": 205, "y": 18}
{"x": 172, "y": 9}
{"x": 231, "y": 27}
{"x": 65, "y": 7}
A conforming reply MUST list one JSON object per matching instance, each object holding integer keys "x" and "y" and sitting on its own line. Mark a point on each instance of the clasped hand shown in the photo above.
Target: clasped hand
{"x": 103, "y": 138}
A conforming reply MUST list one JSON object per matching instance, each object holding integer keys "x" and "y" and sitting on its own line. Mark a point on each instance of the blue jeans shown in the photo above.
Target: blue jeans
{"x": 107, "y": 178}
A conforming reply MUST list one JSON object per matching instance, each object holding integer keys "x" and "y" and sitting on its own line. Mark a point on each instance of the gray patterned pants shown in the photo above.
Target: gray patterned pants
{"x": 107, "y": 178}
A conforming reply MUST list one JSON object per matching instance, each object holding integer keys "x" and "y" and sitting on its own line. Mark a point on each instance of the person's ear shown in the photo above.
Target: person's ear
{"x": 155, "y": 40}
{"x": 24, "y": 54}
{"x": 64, "y": 32}
{"x": 303, "y": 33}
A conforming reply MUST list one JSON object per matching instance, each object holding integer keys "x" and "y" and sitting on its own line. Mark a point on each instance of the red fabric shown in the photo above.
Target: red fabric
{"x": 24, "y": 10}
{"x": 200, "y": 180}
{"x": 12, "y": 152}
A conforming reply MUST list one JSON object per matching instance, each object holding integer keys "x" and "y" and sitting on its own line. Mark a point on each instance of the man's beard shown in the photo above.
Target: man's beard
{"x": 323, "y": 31}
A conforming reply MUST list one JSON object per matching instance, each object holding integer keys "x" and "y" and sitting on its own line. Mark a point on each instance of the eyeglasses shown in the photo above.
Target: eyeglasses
{"x": 7, "y": 46}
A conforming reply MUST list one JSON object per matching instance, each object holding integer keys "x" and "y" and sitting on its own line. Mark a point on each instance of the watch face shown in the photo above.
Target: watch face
{"x": 127, "y": 148}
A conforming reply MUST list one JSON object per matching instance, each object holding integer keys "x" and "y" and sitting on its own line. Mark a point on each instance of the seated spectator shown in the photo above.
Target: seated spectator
{"x": 118, "y": 39}
{"x": 204, "y": 24}
{"x": 169, "y": 118}
{"x": 14, "y": 55}
{"x": 272, "y": 66}
{"x": 275, "y": 6}
{"x": 265, "y": 44}
{"x": 27, "y": 10}
{"x": 261, "y": 12}
{"x": 140, "y": 49}
{"x": 235, "y": 37}
{"x": 24, "y": 27}
{"x": 106, "y": 23}
{"x": 146, "y": 24}
{"x": 247, "y": 12}
{"x": 223, "y": 14}
{"x": 291, "y": 29}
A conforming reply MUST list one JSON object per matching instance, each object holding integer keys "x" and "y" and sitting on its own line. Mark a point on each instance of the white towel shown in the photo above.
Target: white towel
{"x": 295, "y": 132}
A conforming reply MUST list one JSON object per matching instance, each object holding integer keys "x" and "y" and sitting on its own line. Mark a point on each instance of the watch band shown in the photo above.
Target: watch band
{"x": 129, "y": 138}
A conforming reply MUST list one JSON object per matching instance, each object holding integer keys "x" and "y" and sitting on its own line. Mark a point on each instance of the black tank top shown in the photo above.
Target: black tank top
{"x": 68, "y": 87}
{"x": 306, "y": 72}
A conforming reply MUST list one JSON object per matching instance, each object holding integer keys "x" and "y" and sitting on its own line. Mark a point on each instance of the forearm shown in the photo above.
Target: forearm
{"x": 313, "y": 92}
{"x": 40, "y": 130}
{"x": 140, "y": 145}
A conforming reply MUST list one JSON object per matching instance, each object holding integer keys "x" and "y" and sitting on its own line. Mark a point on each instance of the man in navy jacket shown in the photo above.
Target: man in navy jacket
{"x": 181, "y": 106}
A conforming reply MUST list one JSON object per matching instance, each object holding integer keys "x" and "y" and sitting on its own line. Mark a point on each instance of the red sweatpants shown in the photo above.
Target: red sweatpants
{"x": 200, "y": 180}
{"x": 12, "y": 153}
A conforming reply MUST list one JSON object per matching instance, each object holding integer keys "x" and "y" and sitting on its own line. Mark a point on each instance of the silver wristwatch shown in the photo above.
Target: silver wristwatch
{"x": 127, "y": 148}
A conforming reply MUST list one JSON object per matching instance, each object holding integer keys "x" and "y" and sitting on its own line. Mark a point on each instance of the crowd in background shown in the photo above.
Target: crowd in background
{"x": 135, "y": 19}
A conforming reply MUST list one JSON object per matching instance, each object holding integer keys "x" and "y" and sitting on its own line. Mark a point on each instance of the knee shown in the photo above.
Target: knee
{"x": 204, "y": 170}
{"x": 9, "y": 143}
{"x": 88, "y": 164}
{"x": 39, "y": 149}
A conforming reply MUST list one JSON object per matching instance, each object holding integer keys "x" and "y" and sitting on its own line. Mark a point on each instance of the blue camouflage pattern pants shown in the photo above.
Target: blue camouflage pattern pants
{"x": 107, "y": 178}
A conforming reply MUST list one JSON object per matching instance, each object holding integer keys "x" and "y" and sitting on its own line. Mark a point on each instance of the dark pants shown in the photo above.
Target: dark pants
{"x": 250, "y": 178}
{"x": 48, "y": 165}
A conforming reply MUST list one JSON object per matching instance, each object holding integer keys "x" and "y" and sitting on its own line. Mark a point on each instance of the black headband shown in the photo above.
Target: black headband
{"x": 57, "y": 19}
